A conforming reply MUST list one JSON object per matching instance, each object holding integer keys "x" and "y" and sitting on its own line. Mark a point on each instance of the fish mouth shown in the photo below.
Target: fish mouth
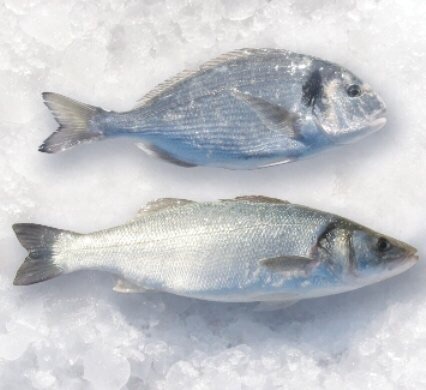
{"x": 406, "y": 262}
{"x": 412, "y": 259}
{"x": 369, "y": 128}
{"x": 378, "y": 123}
{"x": 411, "y": 252}
{"x": 413, "y": 255}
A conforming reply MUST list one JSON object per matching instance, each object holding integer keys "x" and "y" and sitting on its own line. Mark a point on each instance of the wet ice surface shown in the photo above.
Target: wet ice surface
{"x": 74, "y": 332}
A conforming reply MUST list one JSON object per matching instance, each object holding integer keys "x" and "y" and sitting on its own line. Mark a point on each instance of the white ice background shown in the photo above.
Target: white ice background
{"x": 74, "y": 332}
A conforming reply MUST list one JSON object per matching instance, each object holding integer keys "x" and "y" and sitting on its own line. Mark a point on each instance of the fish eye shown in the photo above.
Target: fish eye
{"x": 354, "y": 90}
{"x": 382, "y": 244}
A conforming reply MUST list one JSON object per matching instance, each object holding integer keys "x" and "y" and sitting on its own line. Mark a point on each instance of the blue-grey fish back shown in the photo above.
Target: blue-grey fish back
{"x": 246, "y": 109}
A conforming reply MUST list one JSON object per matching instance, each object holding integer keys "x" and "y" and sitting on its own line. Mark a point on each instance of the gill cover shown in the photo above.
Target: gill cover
{"x": 344, "y": 107}
{"x": 334, "y": 247}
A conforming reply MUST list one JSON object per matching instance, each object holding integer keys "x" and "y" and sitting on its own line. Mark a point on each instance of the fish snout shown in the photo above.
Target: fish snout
{"x": 410, "y": 258}
{"x": 378, "y": 123}
{"x": 412, "y": 254}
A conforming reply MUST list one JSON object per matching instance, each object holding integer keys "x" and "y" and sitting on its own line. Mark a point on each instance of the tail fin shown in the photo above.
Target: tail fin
{"x": 74, "y": 120}
{"x": 40, "y": 241}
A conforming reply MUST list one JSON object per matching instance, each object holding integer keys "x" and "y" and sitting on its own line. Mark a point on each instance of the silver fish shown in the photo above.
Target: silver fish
{"x": 241, "y": 250}
{"x": 247, "y": 109}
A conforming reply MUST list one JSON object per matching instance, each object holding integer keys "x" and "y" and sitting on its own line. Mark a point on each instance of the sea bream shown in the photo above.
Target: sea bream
{"x": 247, "y": 109}
{"x": 248, "y": 249}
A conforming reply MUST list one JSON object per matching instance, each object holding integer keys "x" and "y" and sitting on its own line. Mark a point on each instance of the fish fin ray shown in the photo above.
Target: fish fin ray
{"x": 126, "y": 287}
{"x": 153, "y": 150}
{"x": 151, "y": 96}
{"x": 273, "y": 116}
{"x": 260, "y": 199}
{"x": 273, "y": 164}
{"x": 161, "y": 204}
{"x": 40, "y": 264}
{"x": 230, "y": 56}
{"x": 155, "y": 93}
{"x": 74, "y": 119}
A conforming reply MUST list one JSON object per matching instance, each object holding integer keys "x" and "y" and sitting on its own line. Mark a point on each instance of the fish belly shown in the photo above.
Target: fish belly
{"x": 219, "y": 131}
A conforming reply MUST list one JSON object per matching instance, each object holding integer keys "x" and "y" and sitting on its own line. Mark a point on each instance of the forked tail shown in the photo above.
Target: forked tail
{"x": 76, "y": 123}
{"x": 43, "y": 261}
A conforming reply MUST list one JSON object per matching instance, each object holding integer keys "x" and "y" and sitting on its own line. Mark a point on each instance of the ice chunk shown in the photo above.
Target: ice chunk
{"x": 48, "y": 23}
{"x": 240, "y": 9}
{"x": 13, "y": 345}
{"x": 74, "y": 333}
{"x": 42, "y": 379}
{"x": 105, "y": 368}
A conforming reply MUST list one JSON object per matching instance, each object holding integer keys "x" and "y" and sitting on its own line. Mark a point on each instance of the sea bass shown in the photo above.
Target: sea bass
{"x": 248, "y": 249}
{"x": 247, "y": 109}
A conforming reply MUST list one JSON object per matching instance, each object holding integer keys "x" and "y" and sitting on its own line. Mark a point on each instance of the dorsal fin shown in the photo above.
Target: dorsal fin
{"x": 231, "y": 56}
{"x": 259, "y": 199}
{"x": 160, "y": 88}
{"x": 161, "y": 204}
{"x": 184, "y": 75}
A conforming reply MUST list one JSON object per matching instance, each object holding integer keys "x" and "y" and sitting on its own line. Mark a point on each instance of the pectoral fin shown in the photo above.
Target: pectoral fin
{"x": 289, "y": 264}
{"x": 155, "y": 151}
{"x": 273, "y": 116}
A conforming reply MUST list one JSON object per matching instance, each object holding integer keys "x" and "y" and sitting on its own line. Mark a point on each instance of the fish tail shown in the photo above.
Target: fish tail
{"x": 43, "y": 261}
{"x": 76, "y": 123}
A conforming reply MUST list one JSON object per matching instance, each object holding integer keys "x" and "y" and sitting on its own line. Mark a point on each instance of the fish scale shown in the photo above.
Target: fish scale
{"x": 218, "y": 234}
{"x": 247, "y": 109}
{"x": 241, "y": 250}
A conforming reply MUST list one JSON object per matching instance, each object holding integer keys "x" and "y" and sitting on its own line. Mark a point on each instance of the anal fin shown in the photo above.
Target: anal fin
{"x": 284, "y": 161}
{"x": 126, "y": 287}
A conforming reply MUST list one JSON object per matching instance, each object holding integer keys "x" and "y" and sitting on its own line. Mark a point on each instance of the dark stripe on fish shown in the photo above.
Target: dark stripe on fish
{"x": 352, "y": 265}
{"x": 312, "y": 89}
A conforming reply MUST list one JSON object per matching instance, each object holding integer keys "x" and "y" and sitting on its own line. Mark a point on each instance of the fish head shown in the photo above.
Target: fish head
{"x": 358, "y": 256}
{"x": 376, "y": 257}
{"x": 346, "y": 108}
